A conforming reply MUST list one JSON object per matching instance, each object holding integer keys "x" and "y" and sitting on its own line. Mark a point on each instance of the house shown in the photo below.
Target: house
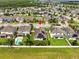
{"x": 24, "y": 30}
{"x": 29, "y": 19}
{"x": 8, "y": 19}
{"x": 47, "y": 17}
{"x": 77, "y": 31}
{"x": 64, "y": 18}
{"x": 1, "y": 19}
{"x": 3, "y": 35}
{"x": 56, "y": 32}
{"x": 38, "y": 18}
{"x": 19, "y": 19}
{"x": 69, "y": 32}
{"x": 8, "y": 31}
{"x": 40, "y": 34}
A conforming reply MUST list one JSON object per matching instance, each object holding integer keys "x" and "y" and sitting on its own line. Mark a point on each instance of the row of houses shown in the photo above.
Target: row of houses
{"x": 18, "y": 19}
{"x": 8, "y": 31}
{"x": 39, "y": 33}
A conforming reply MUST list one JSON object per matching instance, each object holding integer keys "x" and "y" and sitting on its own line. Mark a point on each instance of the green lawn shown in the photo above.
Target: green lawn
{"x": 59, "y": 42}
{"x": 39, "y": 53}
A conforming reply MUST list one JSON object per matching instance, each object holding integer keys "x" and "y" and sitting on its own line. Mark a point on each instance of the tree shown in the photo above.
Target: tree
{"x": 71, "y": 20}
{"x": 10, "y": 41}
{"x": 24, "y": 21}
{"x": 74, "y": 42}
{"x": 35, "y": 20}
{"x": 28, "y": 40}
{"x": 54, "y": 20}
{"x": 29, "y": 14}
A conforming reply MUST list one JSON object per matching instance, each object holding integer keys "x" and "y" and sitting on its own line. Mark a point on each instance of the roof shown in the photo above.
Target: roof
{"x": 39, "y": 18}
{"x": 1, "y": 19}
{"x": 24, "y": 29}
{"x": 56, "y": 30}
{"x": 29, "y": 18}
{"x": 8, "y": 29}
{"x": 68, "y": 30}
{"x": 6, "y": 18}
{"x": 40, "y": 33}
{"x": 2, "y": 35}
{"x": 19, "y": 18}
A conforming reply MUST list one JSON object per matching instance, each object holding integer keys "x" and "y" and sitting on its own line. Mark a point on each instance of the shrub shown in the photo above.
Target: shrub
{"x": 74, "y": 43}
{"x": 10, "y": 41}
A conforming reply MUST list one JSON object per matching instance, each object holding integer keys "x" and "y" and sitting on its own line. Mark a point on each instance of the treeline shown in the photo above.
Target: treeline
{"x": 20, "y": 3}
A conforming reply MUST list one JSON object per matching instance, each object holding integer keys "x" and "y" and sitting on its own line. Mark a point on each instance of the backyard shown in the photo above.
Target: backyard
{"x": 59, "y": 42}
{"x": 39, "y": 53}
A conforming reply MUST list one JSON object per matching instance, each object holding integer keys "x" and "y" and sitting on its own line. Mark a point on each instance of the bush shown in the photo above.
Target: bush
{"x": 10, "y": 41}
{"x": 54, "y": 20}
{"x": 28, "y": 40}
{"x": 74, "y": 43}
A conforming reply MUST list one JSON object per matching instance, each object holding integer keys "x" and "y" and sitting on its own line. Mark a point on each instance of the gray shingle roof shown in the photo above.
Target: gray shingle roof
{"x": 24, "y": 29}
{"x": 8, "y": 29}
{"x": 56, "y": 30}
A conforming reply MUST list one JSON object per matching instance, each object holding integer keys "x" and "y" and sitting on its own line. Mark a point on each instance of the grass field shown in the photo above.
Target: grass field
{"x": 39, "y": 53}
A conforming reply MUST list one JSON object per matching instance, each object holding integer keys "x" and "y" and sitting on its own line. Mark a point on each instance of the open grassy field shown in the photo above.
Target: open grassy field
{"x": 39, "y": 53}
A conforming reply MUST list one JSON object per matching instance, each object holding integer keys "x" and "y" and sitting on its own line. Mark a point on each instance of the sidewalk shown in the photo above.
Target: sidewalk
{"x": 5, "y": 46}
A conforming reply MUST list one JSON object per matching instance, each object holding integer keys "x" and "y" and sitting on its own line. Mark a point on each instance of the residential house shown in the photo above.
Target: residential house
{"x": 56, "y": 32}
{"x": 24, "y": 30}
{"x": 8, "y": 19}
{"x": 64, "y": 18}
{"x": 69, "y": 32}
{"x": 38, "y": 18}
{"x": 29, "y": 19}
{"x": 19, "y": 19}
{"x": 8, "y": 31}
{"x": 40, "y": 34}
{"x": 1, "y": 19}
{"x": 3, "y": 35}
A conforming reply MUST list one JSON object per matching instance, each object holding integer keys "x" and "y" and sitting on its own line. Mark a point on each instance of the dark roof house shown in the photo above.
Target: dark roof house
{"x": 8, "y": 19}
{"x": 40, "y": 34}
